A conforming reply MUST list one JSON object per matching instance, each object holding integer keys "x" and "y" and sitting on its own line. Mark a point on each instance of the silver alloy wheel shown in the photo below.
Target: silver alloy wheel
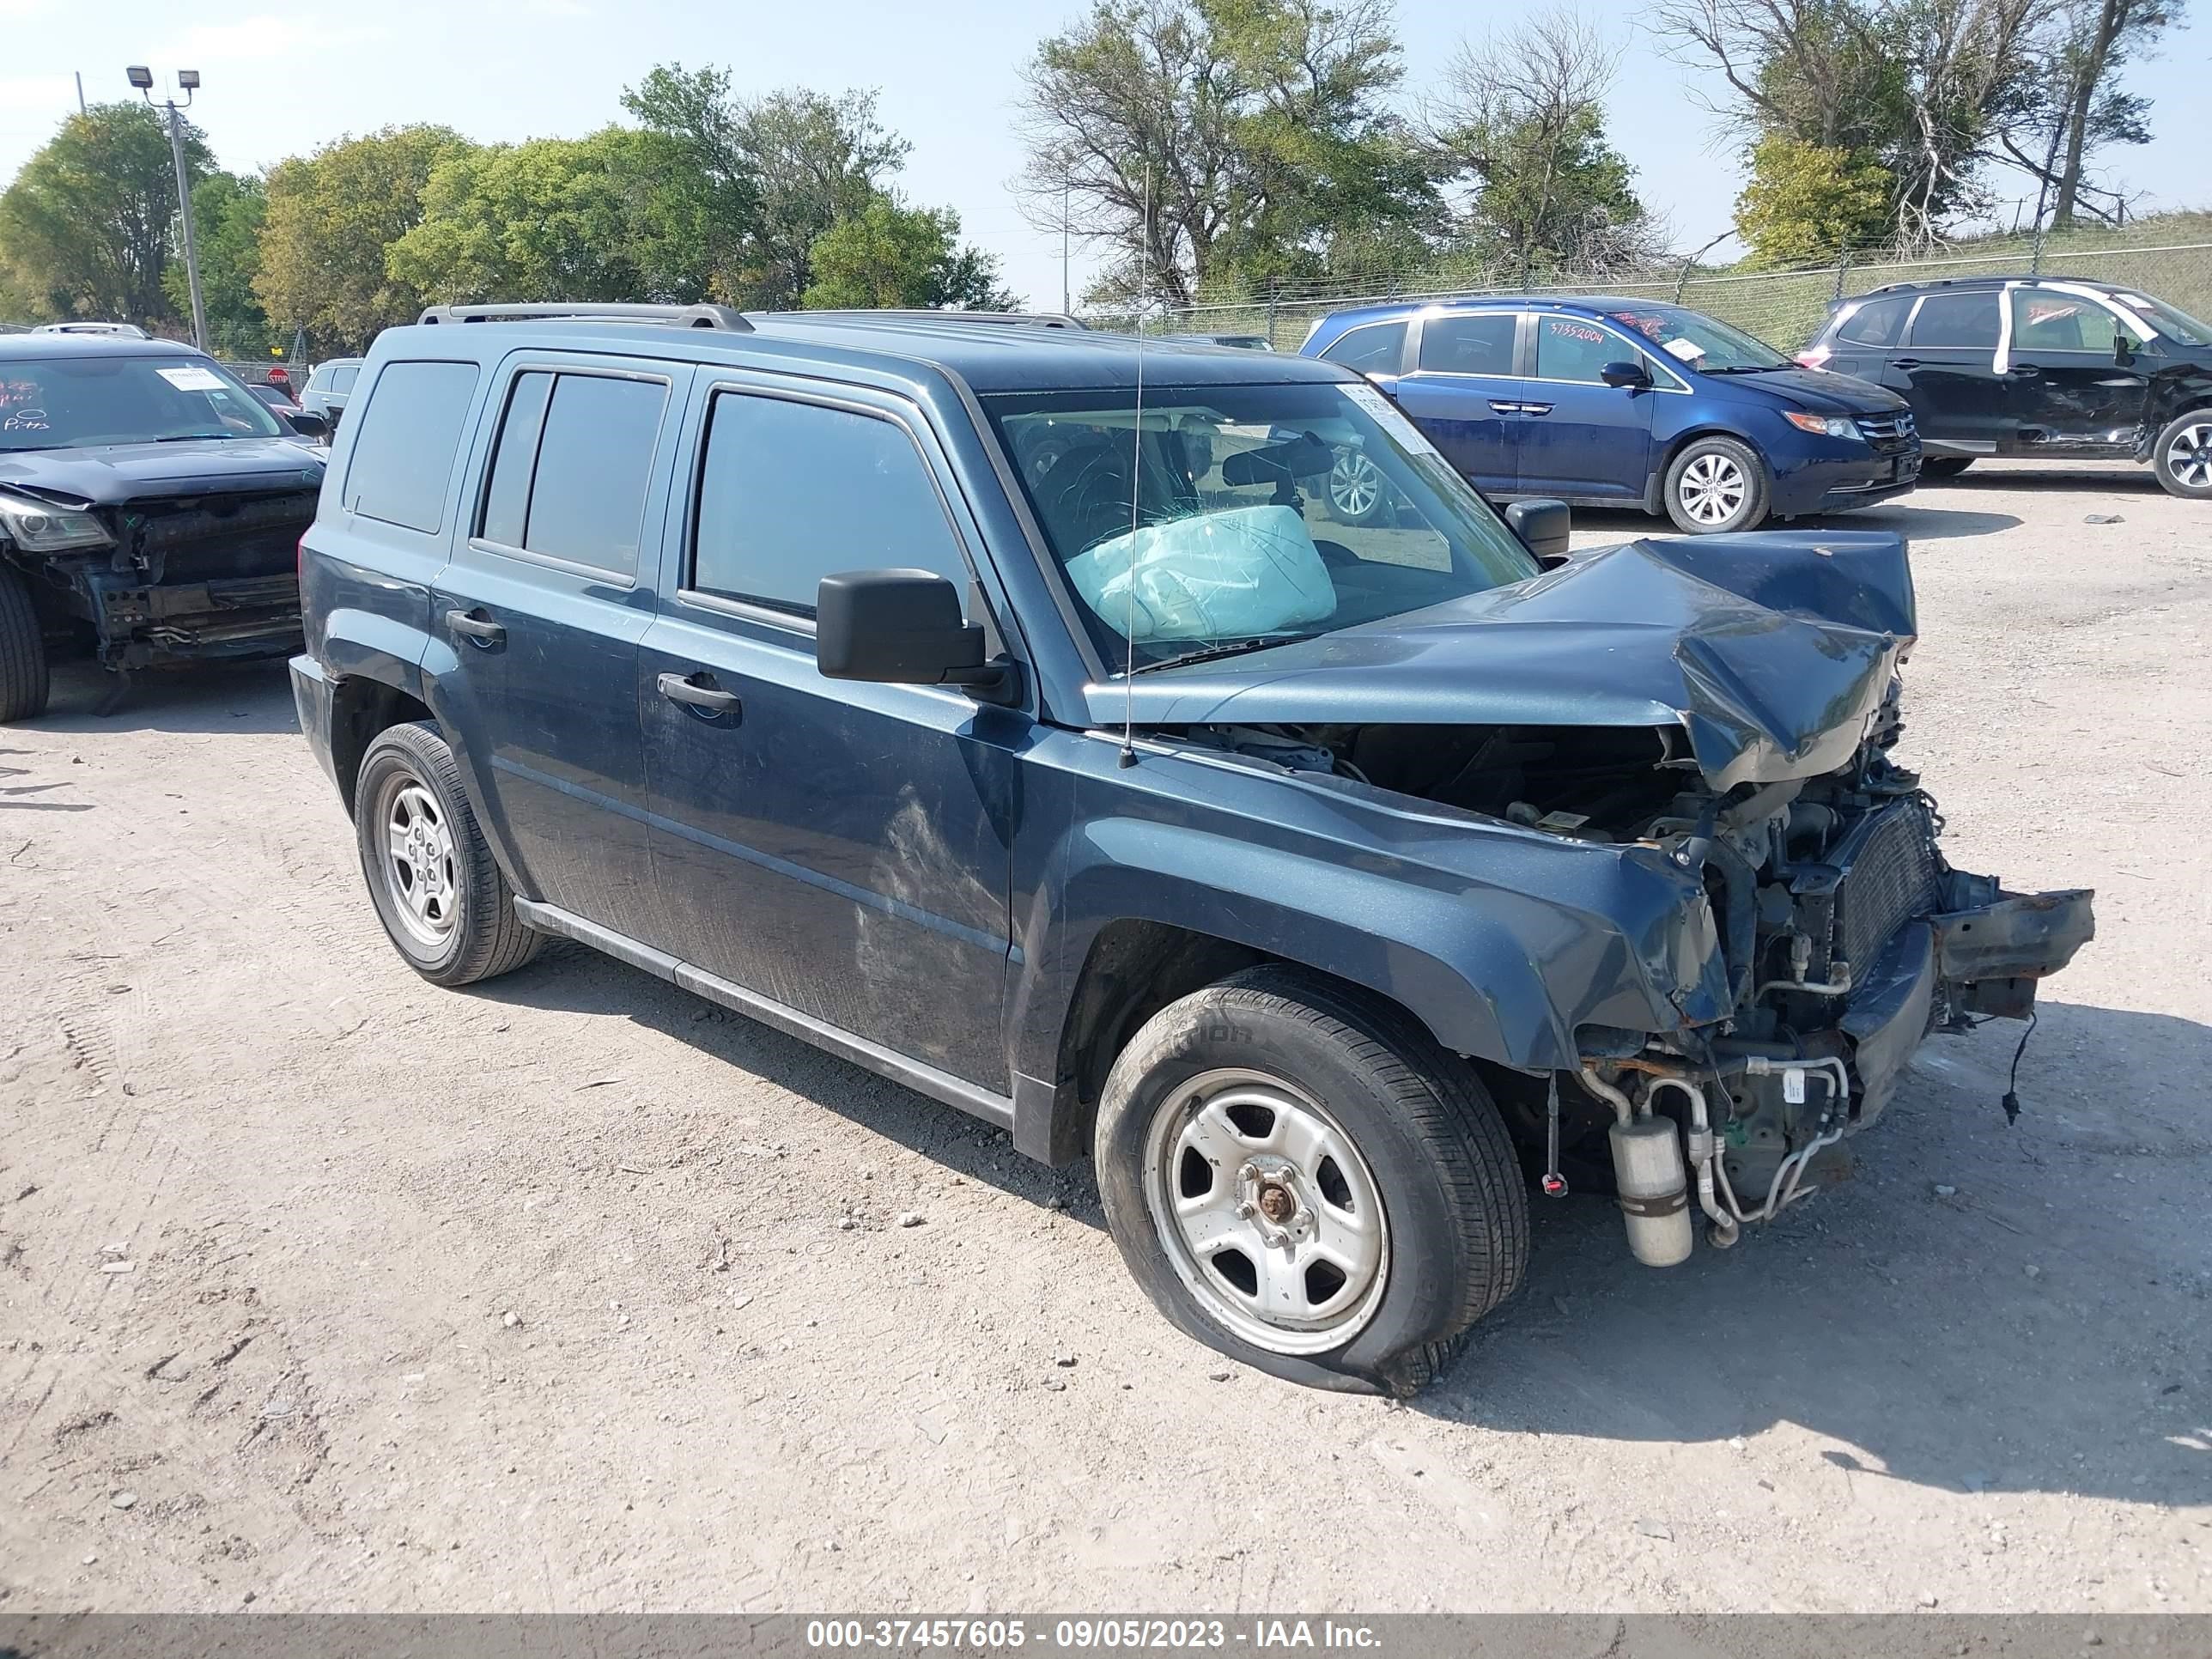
{"x": 1355, "y": 485}
{"x": 1267, "y": 1210}
{"x": 1713, "y": 489}
{"x": 415, "y": 852}
{"x": 2189, "y": 456}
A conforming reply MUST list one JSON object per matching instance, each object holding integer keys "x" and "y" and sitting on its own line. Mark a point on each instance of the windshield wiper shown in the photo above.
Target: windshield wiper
{"x": 1226, "y": 648}
{"x": 1746, "y": 369}
{"x": 196, "y": 437}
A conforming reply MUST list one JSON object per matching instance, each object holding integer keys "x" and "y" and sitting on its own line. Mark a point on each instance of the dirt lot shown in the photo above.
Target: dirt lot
{"x": 323, "y": 1289}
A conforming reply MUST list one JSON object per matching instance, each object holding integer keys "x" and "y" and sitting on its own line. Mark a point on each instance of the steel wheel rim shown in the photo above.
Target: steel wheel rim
{"x": 2189, "y": 456}
{"x": 1713, "y": 489}
{"x": 1355, "y": 486}
{"x": 415, "y": 861}
{"x": 1241, "y": 1166}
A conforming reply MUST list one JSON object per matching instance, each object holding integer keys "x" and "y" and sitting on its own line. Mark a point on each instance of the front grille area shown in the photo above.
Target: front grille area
{"x": 1888, "y": 877}
{"x": 1887, "y": 432}
{"x": 215, "y": 538}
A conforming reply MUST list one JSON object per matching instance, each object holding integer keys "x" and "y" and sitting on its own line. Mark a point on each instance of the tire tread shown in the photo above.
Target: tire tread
{"x": 26, "y": 678}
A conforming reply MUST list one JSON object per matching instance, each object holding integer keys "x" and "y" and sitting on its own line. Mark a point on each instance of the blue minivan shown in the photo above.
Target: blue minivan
{"x": 1622, "y": 403}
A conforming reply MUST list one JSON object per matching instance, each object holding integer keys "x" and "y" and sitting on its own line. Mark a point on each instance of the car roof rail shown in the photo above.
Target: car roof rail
{"x": 986, "y": 318}
{"x": 698, "y": 316}
{"x": 1973, "y": 280}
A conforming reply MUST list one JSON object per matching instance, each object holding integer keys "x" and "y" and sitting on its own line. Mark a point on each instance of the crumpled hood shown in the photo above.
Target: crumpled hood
{"x": 114, "y": 473}
{"x": 1772, "y": 651}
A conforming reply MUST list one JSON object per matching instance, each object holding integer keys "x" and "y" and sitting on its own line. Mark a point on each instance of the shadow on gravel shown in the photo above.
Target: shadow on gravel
{"x": 2044, "y": 1325}
{"x": 251, "y": 697}
{"x": 2059, "y": 478}
{"x": 575, "y": 978}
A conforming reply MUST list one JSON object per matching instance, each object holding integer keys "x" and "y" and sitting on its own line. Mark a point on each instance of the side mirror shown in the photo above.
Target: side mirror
{"x": 1542, "y": 527}
{"x": 1632, "y": 375}
{"x": 2123, "y": 353}
{"x": 902, "y": 628}
{"x": 308, "y": 424}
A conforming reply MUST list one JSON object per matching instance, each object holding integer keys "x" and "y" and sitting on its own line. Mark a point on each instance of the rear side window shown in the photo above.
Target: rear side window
{"x": 791, "y": 492}
{"x": 1375, "y": 349}
{"x": 572, "y": 468}
{"x": 403, "y": 443}
{"x": 1469, "y": 345}
{"x": 1877, "y": 323}
{"x": 1569, "y": 349}
{"x": 1957, "y": 320}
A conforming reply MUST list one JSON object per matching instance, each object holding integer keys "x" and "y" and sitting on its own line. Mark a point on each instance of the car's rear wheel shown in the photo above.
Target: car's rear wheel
{"x": 26, "y": 678}
{"x": 1944, "y": 466}
{"x": 1300, "y": 1178}
{"x": 437, "y": 889}
{"x": 1715, "y": 485}
{"x": 2182, "y": 456}
{"x": 1357, "y": 492}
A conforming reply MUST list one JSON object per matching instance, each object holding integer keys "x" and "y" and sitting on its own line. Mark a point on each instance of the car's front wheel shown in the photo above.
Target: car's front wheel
{"x": 1300, "y": 1178}
{"x": 24, "y": 676}
{"x": 2182, "y": 456}
{"x": 1715, "y": 485}
{"x": 437, "y": 889}
{"x": 1357, "y": 492}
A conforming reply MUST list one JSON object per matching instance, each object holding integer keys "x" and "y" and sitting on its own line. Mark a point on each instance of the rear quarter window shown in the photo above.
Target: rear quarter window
{"x": 404, "y": 440}
{"x": 1876, "y": 323}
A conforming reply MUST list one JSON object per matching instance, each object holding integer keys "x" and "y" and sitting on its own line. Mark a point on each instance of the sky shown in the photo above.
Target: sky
{"x": 279, "y": 79}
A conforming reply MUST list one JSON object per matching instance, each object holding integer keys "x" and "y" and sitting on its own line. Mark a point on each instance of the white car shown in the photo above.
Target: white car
{"x": 124, "y": 331}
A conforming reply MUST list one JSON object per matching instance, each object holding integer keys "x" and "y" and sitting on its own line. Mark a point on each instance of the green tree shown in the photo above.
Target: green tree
{"x": 330, "y": 217}
{"x": 1217, "y": 142}
{"x": 89, "y": 225}
{"x": 1521, "y": 121}
{"x": 227, "y": 210}
{"x": 607, "y": 217}
{"x": 1807, "y": 203}
{"x": 887, "y": 255}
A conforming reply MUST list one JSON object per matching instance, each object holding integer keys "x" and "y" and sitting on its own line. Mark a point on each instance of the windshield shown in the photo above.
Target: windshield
{"x": 1697, "y": 341}
{"x": 1264, "y": 513}
{"x": 68, "y": 403}
{"x": 2176, "y": 325}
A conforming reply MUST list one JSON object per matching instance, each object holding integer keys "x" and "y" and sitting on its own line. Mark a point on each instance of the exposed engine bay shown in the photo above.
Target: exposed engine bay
{"x": 1847, "y": 937}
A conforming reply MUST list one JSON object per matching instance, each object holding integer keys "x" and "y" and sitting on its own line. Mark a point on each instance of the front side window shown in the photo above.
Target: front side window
{"x": 791, "y": 492}
{"x": 573, "y": 466}
{"x": 405, "y": 441}
{"x": 84, "y": 401}
{"x": 2044, "y": 320}
{"x": 1373, "y": 349}
{"x": 1570, "y": 348}
{"x": 1968, "y": 321}
{"x": 1210, "y": 527}
{"x": 1481, "y": 345}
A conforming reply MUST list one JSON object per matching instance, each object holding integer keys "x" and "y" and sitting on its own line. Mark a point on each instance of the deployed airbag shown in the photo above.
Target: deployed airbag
{"x": 1248, "y": 571}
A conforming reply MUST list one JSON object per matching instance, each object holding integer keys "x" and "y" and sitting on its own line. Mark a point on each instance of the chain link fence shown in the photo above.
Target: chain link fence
{"x": 1783, "y": 308}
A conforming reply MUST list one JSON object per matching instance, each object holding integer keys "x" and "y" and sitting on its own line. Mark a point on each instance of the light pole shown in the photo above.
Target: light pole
{"x": 189, "y": 82}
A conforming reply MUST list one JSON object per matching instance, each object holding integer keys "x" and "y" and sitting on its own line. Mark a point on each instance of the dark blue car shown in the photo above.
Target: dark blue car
{"x": 1618, "y": 402}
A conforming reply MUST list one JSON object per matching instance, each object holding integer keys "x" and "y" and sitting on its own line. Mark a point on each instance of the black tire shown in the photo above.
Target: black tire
{"x": 1434, "y": 1149}
{"x": 481, "y": 936}
{"x": 26, "y": 678}
{"x": 1944, "y": 466}
{"x": 1724, "y": 457}
{"x": 2182, "y": 458}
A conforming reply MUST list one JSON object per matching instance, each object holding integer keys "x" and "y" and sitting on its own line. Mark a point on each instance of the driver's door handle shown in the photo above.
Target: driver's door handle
{"x": 480, "y": 631}
{"x": 1535, "y": 408}
{"x": 1496, "y": 408}
{"x": 2024, "y": 370}
{"x": 708, "y": 699}
{"x": 1904, "y": 362}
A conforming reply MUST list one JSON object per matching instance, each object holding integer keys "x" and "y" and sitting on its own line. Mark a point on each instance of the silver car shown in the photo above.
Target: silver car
{"x": 328, "y": 388}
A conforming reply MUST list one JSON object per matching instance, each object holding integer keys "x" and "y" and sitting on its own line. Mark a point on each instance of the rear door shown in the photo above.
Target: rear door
{"x": 2063, "y": 384}
{"x": 1579, "y": 436}
{"x": 543, "y": 606}
{"x": 1465, "y": 391}
{"x": 839, "y": 848}
{"x": 1948, "y": 370}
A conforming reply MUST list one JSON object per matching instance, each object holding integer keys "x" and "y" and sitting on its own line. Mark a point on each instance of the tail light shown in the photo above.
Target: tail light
{"x": 1815, "y": 356}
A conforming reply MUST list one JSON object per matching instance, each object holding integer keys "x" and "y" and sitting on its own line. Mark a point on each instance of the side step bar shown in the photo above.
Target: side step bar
{"x": 917, "y": 1075}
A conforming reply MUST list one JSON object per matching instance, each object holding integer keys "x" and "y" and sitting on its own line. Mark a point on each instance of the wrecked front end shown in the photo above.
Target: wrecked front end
{"x": 1834, "y": 936}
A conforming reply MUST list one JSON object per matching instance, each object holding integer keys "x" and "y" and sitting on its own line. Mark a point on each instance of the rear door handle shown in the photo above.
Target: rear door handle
{"x": 708, "y": 699}
{"x": 480, "y": 631}
{"x": 1535, "y": 408}
{"x": 1496, "y": 408}
{"x": 2024, "y": 370}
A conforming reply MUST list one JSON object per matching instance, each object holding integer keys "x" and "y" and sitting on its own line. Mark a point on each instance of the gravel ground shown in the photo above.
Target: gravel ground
{"x": 323, "y": 1289}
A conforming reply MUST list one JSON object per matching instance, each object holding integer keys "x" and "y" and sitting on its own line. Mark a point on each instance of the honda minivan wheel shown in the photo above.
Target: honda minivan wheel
{"x": 1300, "y": 1178}
{"x": 25, "y": 677}
{"x": 1716, "y": 485}
{"x": 2183, "y": 457}
{"x": 1357, "y": 492}
{"x": 436, "y": 887}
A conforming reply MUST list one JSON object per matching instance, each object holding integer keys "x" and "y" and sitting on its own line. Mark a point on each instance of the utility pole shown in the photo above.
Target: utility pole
{"x": 80, "y": 92}
{"x": 188, "y": 81}
{"x": 1066, "y": 310}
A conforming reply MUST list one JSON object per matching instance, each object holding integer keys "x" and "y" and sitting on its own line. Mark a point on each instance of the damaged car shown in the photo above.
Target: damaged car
{"x": 150, "y": 510}
{"x": 1006, "y": 712}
